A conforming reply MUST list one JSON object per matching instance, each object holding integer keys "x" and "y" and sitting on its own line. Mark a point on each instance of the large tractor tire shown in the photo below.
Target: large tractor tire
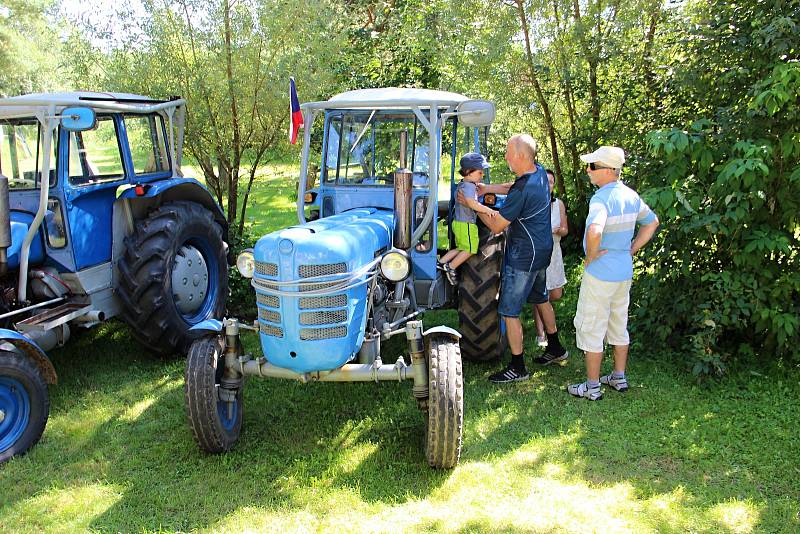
{"x": 445, "y": 417}
{"x": 24, "y": 404}
{"x": 173, "y": 275}
{"x": 483, "y": 338}
{"x": 215, "y": 423}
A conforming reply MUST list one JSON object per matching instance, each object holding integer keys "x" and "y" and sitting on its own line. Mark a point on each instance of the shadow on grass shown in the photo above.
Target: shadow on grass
{"x": 666, "y": 439}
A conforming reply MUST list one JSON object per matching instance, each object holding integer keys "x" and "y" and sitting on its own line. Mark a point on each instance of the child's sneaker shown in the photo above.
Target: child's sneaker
{"x": 583, "y": 390}
{"x": 547, "y": 358}
{"x": 619, "y": 384}
{"x": 452, "y": 275}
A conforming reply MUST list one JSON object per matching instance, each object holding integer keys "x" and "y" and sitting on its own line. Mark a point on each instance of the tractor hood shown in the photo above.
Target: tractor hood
{"x": 325, "y": 330}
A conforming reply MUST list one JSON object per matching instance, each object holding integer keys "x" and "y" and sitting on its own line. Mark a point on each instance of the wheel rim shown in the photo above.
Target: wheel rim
{"x": 222, "y": 410}
{"x": 194, "y": 281}
{"x": 15, "y": 410}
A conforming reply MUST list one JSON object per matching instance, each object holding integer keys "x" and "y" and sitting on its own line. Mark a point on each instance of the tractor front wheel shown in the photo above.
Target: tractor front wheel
{"x": 215, "y": 413}
{"x": 24, "y": 404}
{"x": 173, "y": 275}
{"x": 445, "y": 402}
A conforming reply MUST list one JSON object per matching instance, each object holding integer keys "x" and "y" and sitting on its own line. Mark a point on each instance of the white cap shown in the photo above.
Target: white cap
{"x": 610, "y": 156}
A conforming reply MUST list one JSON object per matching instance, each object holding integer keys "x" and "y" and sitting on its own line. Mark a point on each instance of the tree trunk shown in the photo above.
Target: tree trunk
{"x": 233, "y": 177}
{"x": 548, "y": 120}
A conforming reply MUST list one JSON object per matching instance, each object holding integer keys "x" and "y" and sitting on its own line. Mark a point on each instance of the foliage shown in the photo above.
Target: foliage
{"x": 727, "y": 187}
{"x": 241, "y": 303}
{"x": 28, "y": 47}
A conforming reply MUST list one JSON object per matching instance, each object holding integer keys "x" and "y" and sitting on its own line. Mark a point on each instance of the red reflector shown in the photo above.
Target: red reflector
{"x": 139, "y": 190}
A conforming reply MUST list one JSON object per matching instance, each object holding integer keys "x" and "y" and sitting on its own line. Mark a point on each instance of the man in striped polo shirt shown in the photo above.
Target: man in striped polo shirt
{"x": 609, "y": 244}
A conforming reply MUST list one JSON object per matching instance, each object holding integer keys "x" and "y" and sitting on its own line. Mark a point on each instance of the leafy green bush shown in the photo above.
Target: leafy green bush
{"x": 242, "y": 300}
{"x": 725, "y": 281}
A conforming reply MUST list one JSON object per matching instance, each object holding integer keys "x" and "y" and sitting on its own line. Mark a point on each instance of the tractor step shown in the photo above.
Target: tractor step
{"x": 53, "y": 317}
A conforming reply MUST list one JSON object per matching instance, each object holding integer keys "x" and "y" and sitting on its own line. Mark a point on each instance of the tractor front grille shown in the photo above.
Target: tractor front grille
{"x": 268, "y": 300}
{"x": 323, "y": 317}
{"x": 326, "y": 269}
{"x": 270, "y": 330}
{"x": 269, "y": 315}
{"x": 330, "y": 301}
{"x": 267, "y": 269}
{"x": 312, "y": 334}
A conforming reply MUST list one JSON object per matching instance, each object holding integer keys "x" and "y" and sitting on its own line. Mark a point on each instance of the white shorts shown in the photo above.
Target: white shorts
{"x": 602, "y": 313}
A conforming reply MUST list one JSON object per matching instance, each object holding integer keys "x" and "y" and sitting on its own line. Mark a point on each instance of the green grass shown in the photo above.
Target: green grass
{"x": 668, "y": 456}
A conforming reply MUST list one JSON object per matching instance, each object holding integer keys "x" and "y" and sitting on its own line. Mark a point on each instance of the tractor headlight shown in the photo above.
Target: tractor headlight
{"x": 395, "y": 265}
{"x": 246, "y": 263}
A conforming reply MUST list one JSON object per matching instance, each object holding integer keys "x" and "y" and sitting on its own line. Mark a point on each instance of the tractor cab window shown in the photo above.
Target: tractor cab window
{"x": 21, "y": 154}
{"x": 363, "y": 148}
{"x": 147, "y": 143}
{"x": 94, "y": 155}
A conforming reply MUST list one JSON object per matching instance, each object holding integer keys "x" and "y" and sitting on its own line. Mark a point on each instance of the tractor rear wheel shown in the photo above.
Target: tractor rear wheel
{"x": 483, "y": 338}
{"x": 215, "y": 423}
{"x": 173, "y": 275}
{"x": 445, "y": 417}
{"x": 24, "y": 404}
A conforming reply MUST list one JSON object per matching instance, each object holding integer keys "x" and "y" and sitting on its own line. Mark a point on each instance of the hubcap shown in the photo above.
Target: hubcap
{"x": 189, "y": 280}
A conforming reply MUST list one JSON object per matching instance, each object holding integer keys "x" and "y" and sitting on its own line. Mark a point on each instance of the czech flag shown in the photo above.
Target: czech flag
{"x": 295, "y": 115}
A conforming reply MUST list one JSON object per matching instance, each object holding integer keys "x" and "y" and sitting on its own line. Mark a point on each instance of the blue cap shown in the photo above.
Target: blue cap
{"x": 473, "y": 160}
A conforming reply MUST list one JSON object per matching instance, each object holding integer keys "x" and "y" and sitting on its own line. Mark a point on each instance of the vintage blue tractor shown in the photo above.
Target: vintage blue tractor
{"x": 112, "y": 228}
{"x": 331, "y": 290}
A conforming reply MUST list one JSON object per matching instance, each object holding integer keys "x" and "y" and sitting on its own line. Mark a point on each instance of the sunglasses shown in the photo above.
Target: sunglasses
{"x": 596, "y": 167}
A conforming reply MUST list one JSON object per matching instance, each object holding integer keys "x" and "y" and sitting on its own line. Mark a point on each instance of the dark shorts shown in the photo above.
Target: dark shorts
{"x": 519, "y": 287}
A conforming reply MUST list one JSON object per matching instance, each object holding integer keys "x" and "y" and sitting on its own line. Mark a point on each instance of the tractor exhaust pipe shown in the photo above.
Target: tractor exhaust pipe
{"x": 402, "y": 199}
{"x": 5, "y": 225}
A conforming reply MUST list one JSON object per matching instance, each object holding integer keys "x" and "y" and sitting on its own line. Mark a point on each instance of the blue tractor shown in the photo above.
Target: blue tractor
{"x": 96, "y": 221}
{"x": 331, "y": 290}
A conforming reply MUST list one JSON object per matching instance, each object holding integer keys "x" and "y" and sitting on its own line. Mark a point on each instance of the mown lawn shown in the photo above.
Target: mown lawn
{"x": 668, "y": 456}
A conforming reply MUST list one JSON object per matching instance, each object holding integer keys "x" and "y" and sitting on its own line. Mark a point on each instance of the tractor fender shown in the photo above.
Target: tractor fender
{"x": 32, "y": 350}
{"x": 180, "y": 189}
{"x": 442, "y": 330}
{"x": 210, "y": 326}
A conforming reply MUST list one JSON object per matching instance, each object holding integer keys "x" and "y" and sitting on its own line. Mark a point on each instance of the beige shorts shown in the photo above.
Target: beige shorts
{"x": 602, "y": 313}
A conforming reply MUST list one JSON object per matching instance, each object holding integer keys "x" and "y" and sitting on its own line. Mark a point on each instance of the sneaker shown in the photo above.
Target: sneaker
{"x": 509, "y": 374}
{"x": 583, "y": 390}
{"x": 452, "y": 275}
{"x": 541, "y": 341}
{"x": 619, "y": 384}
{"x": 547, "y": 358}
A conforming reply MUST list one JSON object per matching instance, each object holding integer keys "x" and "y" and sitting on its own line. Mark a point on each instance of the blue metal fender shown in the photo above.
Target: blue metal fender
{"x": 32, "y": 350}
{"x": 442, "y": 330}
{"x": 210, "y": 326}
{"x": 181, "y": 189}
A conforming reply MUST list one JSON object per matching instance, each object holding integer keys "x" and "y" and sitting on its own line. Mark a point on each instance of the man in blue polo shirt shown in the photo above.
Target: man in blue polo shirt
{"x": 609, "y": 244}
{"x": 526, "y": 213}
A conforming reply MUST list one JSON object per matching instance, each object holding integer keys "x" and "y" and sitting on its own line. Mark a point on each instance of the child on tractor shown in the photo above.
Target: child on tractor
{"x": 464, "y": 224}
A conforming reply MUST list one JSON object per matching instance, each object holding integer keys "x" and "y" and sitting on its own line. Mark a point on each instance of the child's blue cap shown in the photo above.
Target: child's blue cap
{"x": 473, "y": 160}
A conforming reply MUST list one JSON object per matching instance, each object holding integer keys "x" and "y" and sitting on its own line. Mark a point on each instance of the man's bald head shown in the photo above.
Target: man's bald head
{"x": 521, "y": 153}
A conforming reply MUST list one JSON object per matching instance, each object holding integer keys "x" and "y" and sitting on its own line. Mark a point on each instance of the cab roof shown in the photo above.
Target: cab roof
{"x": 389, "y": 97}
{"x": 27, "y": 105}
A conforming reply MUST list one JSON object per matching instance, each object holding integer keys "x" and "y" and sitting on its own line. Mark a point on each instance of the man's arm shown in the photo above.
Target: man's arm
{"x": 644, "y": 235}
{"x": 498, "y": 189}
{"x": 496, "y": 223}
{"x": 594, "y": 235}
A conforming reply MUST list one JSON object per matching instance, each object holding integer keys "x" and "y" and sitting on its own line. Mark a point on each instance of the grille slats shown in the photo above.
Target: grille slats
{"x": 323, "y": 317}
{"x": 267, "y": 269}
{"x": 331, "y": 301}
{"x": 270, "y": 330}
{"x": 311, "y": 334}
{"x": 326, "y": 269}
{"x": 269, "y": 315}
{"x": 268, "y": 300}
